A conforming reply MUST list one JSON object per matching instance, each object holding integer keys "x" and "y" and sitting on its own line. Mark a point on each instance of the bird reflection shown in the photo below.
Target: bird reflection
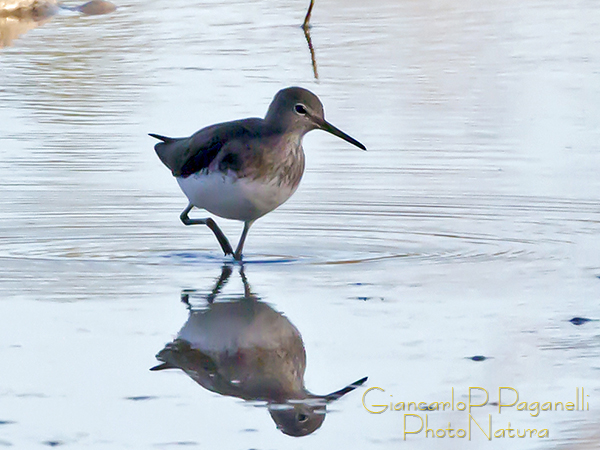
{"x": 243, "y": 348}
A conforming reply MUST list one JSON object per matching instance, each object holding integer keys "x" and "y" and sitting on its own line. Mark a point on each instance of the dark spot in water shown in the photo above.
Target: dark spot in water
{"x": 6, "y": 422}
{"x": 579, "y": 320}
{"x": 364, "y": 299}
{"x": 53, "y": 443}
{"x": 141, "y": 398}
{"x": 32, "y": 395}
{"x": 478, "y": 358}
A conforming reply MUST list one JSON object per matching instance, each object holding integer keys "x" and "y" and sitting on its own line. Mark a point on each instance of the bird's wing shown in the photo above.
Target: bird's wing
{"x": 185, "y": 156}
{"x": 179, "y": 354}
{"x": 202, "y": 368}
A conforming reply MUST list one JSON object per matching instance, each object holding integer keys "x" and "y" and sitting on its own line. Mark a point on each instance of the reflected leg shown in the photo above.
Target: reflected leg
{"x": 210, "y": 223}
{"x": 226, "y": 272}
{"x": 238, "y": 251}
{"x": 247, "y": 291}
{"x": 222, "y": 281}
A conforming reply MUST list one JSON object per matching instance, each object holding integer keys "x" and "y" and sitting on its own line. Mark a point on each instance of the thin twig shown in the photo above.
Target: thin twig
{"x": 313, "y": 59}
{"x": 306, "y": 25}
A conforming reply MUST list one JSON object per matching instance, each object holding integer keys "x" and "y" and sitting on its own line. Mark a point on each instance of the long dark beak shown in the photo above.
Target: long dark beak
{"x": 324, "y": 125}
{"x": 337, "y": 394}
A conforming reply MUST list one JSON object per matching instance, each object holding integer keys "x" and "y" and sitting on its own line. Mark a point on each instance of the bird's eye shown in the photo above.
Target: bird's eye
{"x": 302, "y": 418}
{"x": 300, "y": 109}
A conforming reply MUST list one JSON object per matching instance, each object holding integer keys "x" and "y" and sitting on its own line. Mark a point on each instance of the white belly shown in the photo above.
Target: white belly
{"x": 239, "y": 199}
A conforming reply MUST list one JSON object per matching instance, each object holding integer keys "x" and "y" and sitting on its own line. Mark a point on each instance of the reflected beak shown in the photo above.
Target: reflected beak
{"x": 326, "y": 126}
{"x": 337, "y": 394}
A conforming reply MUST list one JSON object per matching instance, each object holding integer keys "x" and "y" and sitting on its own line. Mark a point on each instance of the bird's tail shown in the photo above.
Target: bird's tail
{"x": 165, "y": 139}
{"x": 164, "y": 366}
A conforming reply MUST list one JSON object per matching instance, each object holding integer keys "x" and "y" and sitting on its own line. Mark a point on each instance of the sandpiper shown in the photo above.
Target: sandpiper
{"x": 246, "y": 168}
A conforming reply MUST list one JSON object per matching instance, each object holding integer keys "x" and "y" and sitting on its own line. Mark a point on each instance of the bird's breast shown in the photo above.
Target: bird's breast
{"x": 239, "y": 198}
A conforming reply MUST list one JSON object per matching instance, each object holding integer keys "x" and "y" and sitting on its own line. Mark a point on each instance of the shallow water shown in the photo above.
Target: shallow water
{"x": 469, "y": 228}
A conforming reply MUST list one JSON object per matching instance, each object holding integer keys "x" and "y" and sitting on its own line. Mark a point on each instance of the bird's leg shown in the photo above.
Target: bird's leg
{"x": 225, "y": 245}
{"x": 238, "y": 251}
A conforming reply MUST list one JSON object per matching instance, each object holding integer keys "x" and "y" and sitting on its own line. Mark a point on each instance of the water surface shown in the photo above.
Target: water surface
{"x": 469, "y": 228}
